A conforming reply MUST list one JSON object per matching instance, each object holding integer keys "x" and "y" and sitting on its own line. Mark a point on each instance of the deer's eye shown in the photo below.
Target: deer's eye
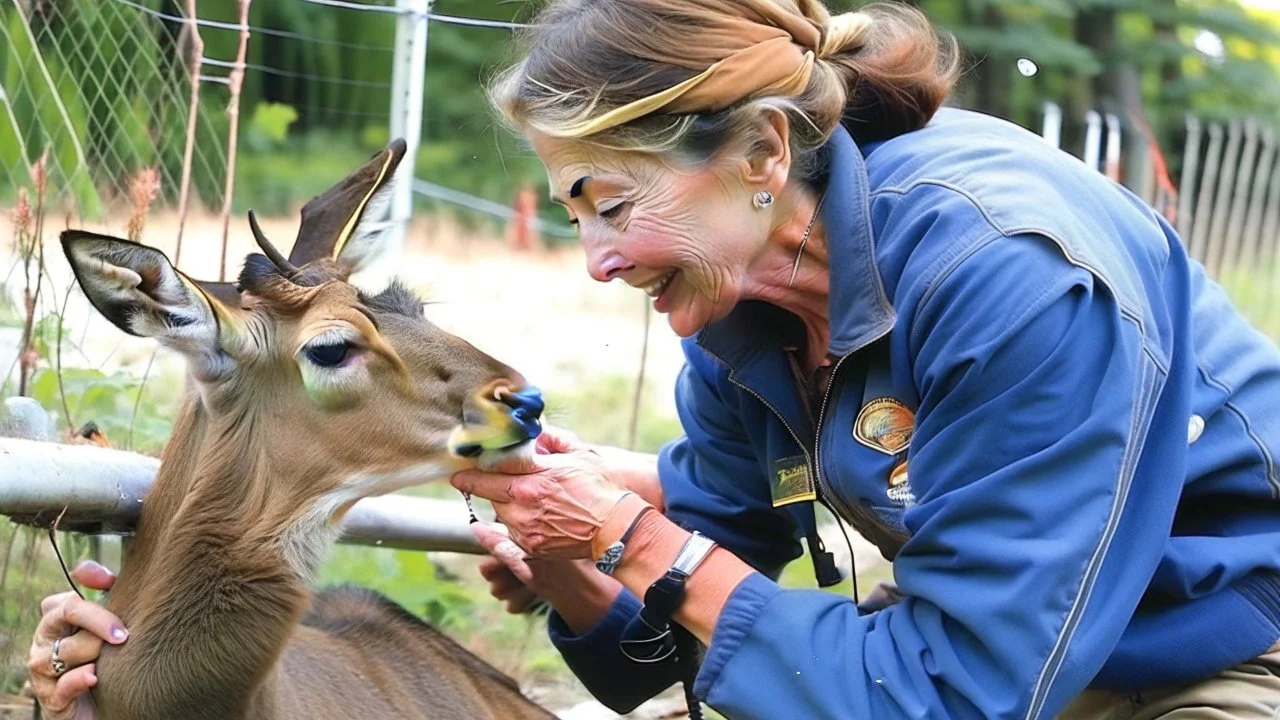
{"x": 329, "y": 353}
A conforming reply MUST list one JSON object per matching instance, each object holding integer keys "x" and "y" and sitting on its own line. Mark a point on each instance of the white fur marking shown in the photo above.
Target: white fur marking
{"x": 307, "y": 541}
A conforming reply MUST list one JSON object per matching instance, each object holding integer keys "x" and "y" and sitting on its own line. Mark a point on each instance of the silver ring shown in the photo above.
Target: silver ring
{"x": 56, "y": 663}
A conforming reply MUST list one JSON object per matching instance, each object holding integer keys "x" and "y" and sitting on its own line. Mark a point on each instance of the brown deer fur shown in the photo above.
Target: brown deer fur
{"x": 266, "y": 454}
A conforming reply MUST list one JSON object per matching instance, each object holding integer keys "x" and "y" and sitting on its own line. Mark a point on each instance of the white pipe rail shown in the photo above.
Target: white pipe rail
{"x": 98, "y": 490}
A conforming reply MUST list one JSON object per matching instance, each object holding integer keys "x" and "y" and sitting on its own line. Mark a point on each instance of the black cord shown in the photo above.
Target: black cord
{"x": 54, "y": 542}
{"x": 471, "y": 511}
{"x": 687, "y": 661}
{"x": 853, "y": 561}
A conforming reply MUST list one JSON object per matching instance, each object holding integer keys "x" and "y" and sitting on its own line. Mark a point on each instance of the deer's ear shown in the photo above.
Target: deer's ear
{"x": 140, "y": 292}
{"x": 348, "y": 223}
{"x": 225, "y": 293}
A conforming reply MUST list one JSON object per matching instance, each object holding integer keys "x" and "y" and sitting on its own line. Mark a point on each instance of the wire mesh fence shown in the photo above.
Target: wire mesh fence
{"x": 100, "y": 89}
{"x": 1219, "y": 189}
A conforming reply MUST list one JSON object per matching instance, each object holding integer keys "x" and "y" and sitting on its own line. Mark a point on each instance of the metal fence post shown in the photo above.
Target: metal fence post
{"x": 407, "y": 86}
{"x": 1093, "y": 139}
{"x": 1111, "y": 153}
{"x": 1051, "y": 130}
{"x": 1190, "y": 173}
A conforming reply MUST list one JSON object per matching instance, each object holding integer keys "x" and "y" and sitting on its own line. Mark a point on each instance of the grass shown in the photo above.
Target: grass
{"x": 1253, "y": 290}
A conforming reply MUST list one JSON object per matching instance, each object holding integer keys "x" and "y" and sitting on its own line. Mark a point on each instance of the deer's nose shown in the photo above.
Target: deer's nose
{"x": 526, "y": 408}
{"x": 498, "y": 417}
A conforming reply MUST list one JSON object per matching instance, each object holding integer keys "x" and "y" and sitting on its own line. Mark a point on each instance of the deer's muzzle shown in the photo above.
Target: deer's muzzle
{"x": 497, "y": 419}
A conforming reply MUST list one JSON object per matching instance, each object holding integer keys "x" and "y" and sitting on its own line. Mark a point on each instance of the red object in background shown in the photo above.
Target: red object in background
{"x": 522, "y": 233}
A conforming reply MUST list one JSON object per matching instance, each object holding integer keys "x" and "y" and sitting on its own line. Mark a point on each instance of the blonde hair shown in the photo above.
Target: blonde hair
{"x": 586, "y": 59}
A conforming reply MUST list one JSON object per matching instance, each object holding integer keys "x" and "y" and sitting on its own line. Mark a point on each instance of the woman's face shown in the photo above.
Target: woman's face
{"x": 686, "y": 238}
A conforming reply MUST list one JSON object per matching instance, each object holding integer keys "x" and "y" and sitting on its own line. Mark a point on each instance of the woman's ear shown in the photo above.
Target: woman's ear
{"x": 767, "y": 164}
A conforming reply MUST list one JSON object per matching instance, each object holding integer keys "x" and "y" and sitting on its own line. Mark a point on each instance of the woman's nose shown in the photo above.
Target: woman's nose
{"x": 604, "y": 263}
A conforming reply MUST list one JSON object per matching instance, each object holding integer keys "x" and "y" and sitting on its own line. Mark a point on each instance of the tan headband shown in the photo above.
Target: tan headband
{"x": 778, "y": 58}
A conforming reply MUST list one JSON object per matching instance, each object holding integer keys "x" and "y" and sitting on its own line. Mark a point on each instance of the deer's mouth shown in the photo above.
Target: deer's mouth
{"x": 501, "y": 422}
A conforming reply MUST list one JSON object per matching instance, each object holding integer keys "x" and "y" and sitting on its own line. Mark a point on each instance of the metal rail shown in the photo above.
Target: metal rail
{"x": 94, "y": 490}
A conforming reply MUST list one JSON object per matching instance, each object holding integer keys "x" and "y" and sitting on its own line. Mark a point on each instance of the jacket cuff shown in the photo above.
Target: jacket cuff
{"x": 745, "y": 604}
{"x": 594, "y": 657}
{"x": 603, "y": 635}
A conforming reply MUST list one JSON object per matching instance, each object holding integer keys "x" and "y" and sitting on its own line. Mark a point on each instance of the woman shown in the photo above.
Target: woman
{"x": 994, "y": 363}
{"x": 864, "y": 283}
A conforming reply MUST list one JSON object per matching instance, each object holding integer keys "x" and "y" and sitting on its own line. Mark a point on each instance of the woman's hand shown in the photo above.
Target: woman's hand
{"x": 510, "y": 578}
{"x": 580, "y": 593}
{"x": 64, "y": 695}
{"x": 552, "y": 502}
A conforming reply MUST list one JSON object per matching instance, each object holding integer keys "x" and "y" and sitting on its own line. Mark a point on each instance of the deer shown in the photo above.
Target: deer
{"x": 305, "y": 394}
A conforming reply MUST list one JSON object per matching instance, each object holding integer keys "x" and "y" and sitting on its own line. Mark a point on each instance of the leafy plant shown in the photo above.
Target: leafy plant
{"x": 129, "y": 414}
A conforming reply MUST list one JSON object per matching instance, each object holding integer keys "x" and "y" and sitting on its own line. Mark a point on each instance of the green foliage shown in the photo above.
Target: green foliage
{"x": 48, "y": 98}
{"x": 405, "y": 576}
{"x": 134, "y": 411}
{"x": 599, "y": 411}
{"x": 100, "y": 85}
{"x": 1254, "y": 293}
{"x": 269, "y": 127}
{"x": 292, "y": 170}
{"x": 108, "y": 400}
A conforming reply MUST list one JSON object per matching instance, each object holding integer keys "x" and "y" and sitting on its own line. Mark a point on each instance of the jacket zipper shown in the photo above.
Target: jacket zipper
{"x": 848, "y": 514}
{"x": 866, "y": 524}
{"x": 826, "y": 496}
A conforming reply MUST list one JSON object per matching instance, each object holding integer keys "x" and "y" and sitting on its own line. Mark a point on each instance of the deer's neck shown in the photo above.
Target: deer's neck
{"x": 216, "y": 578}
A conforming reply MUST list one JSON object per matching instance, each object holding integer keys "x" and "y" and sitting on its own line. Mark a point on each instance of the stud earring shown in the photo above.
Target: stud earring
{"x": 762, "y": 199}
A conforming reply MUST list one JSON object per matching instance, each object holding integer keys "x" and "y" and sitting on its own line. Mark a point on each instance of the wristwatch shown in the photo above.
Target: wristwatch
{"x": 648, "y": 637}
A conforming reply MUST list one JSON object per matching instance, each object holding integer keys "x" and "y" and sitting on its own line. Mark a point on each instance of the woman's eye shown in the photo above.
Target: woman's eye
{"x": 328, "y": 354}
{"x": 613, "y": 211}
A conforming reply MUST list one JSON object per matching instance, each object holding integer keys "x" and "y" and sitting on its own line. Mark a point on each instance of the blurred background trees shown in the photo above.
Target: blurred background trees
{"x": 319, "y": 82}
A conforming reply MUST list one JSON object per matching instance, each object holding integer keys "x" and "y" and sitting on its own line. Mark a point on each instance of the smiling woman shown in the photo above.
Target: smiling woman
{"x": 978, "y": 352}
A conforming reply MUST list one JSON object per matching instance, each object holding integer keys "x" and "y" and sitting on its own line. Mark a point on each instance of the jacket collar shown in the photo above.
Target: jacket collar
{"x": 858, "y": 308}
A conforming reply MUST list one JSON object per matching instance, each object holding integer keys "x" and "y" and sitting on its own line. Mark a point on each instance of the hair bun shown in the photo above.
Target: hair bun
{"x": 846, "y": 31}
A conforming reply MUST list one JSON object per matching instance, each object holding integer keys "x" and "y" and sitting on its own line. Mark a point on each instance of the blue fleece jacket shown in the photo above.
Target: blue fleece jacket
{"x": 1051, "y": 421}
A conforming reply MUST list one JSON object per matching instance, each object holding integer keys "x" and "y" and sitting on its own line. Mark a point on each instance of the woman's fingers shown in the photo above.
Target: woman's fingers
{"x": 92, "y": 575}
{"x": 505, "y": 586}
{"x": 527, "y": 479}
{"x": 520, "y": 602}
{"x": 61, "y": 698}
{"x": 501, "y": 580}
{"x": 75, "y": 650}
{"x": 501, "y": 547}
{"x": 556, "y": 440}
{"x": 491, "y": 568}
{"x": 49, "y": 603}
{"x": 63, "y": 620}
{"x": 78, "y": 628}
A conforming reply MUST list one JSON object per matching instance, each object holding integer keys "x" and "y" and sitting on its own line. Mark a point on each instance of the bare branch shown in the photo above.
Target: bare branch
{"x": 233, "y": 109}
{"x": 192, "y": 31}
{"x": 636, "y": 397}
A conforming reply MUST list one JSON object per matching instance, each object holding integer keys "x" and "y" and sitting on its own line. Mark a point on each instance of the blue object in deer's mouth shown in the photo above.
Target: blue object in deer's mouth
{"x": 526, "y": 410}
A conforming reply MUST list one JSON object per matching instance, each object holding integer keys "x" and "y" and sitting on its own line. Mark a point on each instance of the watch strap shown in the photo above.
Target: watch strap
{"x": 648, "y": 638}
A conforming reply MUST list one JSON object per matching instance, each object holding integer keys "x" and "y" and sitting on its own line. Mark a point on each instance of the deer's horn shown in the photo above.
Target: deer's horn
{"x": 268, "y": 249}
{"x": 329, "y": 218}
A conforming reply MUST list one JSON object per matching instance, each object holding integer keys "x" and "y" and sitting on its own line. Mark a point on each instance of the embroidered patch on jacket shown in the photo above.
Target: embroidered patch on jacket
{"x": 899, "y": 487}
{"x": 791, "y": 482}
{"x": 884, "y": 424}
